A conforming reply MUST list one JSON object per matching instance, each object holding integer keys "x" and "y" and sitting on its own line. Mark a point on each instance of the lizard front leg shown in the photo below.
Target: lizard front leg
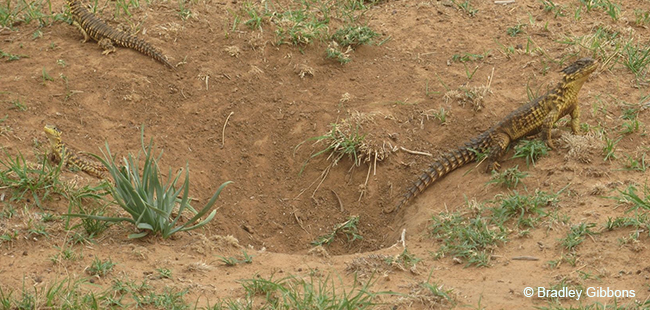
{"x": 54, "y": 157}
{"x": 575, "y": 120}
{"x": 547, "y": 125}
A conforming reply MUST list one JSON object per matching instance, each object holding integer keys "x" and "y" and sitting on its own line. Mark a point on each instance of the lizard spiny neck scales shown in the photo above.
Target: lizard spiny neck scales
{"x": 93, "y": 27}
{"x": 69, "y": 158}
{"x": 536, "y": 116}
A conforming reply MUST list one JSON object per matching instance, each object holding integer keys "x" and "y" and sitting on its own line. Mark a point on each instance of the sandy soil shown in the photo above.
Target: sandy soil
{"x": 271, "y": 210}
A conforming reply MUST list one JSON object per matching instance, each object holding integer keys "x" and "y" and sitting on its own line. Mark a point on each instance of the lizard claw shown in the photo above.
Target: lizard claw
{"x": 492, "y": 166}
{"x": 107, "y": 45}
{"x": 550, "y": 144}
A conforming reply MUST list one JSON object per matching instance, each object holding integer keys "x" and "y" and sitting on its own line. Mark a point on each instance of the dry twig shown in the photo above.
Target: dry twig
{"x": 415, "y": 152}
{"x": 339, "y": 199}
{"x": 223, "y": 131}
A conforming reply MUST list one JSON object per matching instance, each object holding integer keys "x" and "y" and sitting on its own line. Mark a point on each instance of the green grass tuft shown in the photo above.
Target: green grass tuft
{"x": 466, "y": 6}
{"x": 347, "y": 228}
{"x": 471, "y": 239}
{"x": 298, "y": 27}
{"x": 526, "y": 209}
{"x": 354, "y": 35}
{"x": 306, "y": 293}
{"x": 100, "y": 268}
{"x": 509, "y": 178}
{"x": 531, "y": 150}
{"x": 25, "y": 178}
{"x": 515, "y": 30}
{"x": 577, "y": 235}
{"x": 636, "y": 57}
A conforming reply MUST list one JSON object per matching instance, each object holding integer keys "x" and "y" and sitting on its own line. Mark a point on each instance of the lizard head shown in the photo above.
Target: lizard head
{"x": 579, "y": 70}
{"x": 52, "y": 132}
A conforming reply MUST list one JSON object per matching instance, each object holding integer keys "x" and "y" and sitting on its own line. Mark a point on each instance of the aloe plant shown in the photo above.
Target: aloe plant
{"x": 149, "y": 201}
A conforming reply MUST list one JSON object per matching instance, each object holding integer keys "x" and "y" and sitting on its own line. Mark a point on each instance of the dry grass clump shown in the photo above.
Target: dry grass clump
{"x": 474, "y": 96}
{"x": 357, "y": 138}
{"x": 582, "y": 148}
{"x": 365, "y": 266}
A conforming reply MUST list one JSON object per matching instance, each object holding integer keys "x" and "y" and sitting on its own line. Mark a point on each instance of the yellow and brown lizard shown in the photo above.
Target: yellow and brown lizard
{"x": 536, "y": 116}
{"x": 93, "y": 27}
{"x": 62, "y": 152}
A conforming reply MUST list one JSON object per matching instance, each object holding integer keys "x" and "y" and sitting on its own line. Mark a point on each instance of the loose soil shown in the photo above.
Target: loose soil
{"x": 238, "y": 108}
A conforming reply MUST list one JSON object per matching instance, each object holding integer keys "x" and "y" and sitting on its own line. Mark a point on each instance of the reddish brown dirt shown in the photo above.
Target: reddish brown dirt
{"x": 271, "y": 110}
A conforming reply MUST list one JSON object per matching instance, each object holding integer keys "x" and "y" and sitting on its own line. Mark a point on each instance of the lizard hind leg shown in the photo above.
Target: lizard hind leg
{"x": 500, "y": 144}
{"x": 86, "y": 36}
{"x": 107, "y": 45}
